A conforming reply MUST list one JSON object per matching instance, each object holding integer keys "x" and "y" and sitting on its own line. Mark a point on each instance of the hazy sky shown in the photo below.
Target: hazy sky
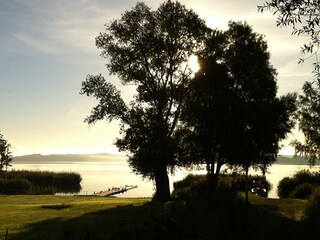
{"x": 47, "y": 48}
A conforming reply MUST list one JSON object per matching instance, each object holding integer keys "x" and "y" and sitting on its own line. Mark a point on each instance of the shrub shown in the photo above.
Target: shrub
{"x": 196, "y": 187}
{"x": 239, "y": 182}
{"x": 300, "y": 185}
{"x": 192, "y": 186}
{"x": 302, "y": 191}
{"x": 304, "y": 176}
{"x": 286, "y": 187}
{"x": 312, "y": 210}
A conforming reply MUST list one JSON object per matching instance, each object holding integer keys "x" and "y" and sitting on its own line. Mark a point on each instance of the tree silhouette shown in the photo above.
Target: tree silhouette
{"x": 308, "y": 116}
{"x": 150, "y": 49}
{"x": 207, "y": 115}
{"x": 304, "y": 18}
{"x": 264, "y": 118}
{"x": 233, "y": 113}
{"x": 5, "y": 154}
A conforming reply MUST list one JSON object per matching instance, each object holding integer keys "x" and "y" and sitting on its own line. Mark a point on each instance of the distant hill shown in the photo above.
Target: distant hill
{"x": 76, "y": 158}
{"x": 67, "y": 158}
{"x": 294, "y": 160}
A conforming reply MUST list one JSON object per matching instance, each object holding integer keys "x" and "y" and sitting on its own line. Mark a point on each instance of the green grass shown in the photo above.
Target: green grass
{"x": 50, "y": 217}
{"x": 61, "y": 217}
{"x": 288, "y": 208}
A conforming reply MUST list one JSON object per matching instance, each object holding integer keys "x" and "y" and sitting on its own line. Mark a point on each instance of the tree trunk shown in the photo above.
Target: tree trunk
{"x": 213, "y": 177}
{"x": 246, "y": 185}
{"x": 210, "y": 172}
{"x": 162, "y": 184}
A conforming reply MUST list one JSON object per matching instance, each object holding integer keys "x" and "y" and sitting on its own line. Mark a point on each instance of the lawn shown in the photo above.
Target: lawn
{"x": 54, "y": 217}
{"x": 288, "y": 208}
{"x": 87, "y": 217}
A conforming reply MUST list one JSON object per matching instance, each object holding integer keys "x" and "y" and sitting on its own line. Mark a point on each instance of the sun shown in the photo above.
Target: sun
{"x": 193, "y": 64}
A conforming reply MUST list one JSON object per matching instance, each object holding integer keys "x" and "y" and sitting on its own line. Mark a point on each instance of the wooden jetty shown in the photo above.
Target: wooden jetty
{"x": 114, "y": 191}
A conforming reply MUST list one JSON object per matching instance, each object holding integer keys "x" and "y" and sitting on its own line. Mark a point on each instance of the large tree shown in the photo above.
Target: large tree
{"x": 207, "y": 112}
{"x": 263, "y": 119}
{"x": 233, "y": 111}
{"x": 5, "y": 154}
{"x": 149, "y": 49}
{"x": 304, "y": 17}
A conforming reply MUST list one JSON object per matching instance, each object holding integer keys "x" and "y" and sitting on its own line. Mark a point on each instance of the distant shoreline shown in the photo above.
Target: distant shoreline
{"x": 67, "y": 158}
{"x": 103, "y": 157}
{"x": 294, "y": 160}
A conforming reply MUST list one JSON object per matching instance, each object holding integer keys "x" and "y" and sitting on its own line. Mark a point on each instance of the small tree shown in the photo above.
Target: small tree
{"x": 5, "y": 154}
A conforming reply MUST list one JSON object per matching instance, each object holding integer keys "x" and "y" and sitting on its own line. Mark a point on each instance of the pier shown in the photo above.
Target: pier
{"x": 114, "y": 191}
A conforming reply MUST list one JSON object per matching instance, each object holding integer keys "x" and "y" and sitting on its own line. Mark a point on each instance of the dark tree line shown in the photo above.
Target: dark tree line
{"x": 227, "y": 113}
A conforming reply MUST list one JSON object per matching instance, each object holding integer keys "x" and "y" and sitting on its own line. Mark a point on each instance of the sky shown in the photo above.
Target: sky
{"x": 47, "y": 48}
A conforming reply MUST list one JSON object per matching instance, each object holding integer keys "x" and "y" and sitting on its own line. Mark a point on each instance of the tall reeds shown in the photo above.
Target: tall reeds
{"x": 39, "y": 182}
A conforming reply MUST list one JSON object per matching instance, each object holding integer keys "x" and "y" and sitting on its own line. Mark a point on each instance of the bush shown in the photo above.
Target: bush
{"x": 312, "y": 210}
{"x": 302, "y": 191}
{"x": 300, "y": 185}
{"x": 286, "y": 187}
{"x": 304, "y": 176}
{"x": 239, "y": 182}
{"x": 191, "y": 187}
{"x": 196, "y": 187}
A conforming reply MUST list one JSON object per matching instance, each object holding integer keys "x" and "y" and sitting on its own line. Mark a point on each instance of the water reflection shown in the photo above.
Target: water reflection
{"x": 278, "y": 171}
{"x": 101, "y": 175}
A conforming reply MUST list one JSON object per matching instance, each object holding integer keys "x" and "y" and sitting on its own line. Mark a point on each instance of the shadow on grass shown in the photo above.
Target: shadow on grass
{"x": 56, "y": 207}
{"x": 149, "y": 221}
{"x": 173, "y": 220}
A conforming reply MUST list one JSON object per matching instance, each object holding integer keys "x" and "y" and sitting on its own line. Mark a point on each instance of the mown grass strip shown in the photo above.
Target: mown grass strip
{"x": 22, "y": 213}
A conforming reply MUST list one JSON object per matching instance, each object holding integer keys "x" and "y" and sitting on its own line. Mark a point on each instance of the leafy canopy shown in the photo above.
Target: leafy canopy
{"x": 304, "y": 17}
{"x": 232, "y": 111}
{"x": 149, "y": 49}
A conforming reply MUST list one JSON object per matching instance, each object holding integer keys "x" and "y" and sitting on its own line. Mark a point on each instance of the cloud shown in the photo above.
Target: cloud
{"x": 55, "y": 27}
{"x": 41, "y": 44}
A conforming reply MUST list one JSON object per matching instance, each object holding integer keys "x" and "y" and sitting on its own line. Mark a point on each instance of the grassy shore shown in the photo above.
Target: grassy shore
{"x": 54, "y": 217}
{"x": 86, "y": 217}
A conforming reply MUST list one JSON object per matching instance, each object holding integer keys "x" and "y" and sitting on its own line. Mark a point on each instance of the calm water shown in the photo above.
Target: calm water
{"x": 101, "y": 175}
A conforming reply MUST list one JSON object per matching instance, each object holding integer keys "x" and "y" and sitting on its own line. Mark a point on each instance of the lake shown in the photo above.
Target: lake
{"x": 102, "y": 171}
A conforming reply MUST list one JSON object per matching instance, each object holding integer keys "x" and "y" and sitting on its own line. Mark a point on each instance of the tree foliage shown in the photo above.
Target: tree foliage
{"x": 230, "y": 109}
{"x": 304, "y": 17}
{"x": 308, "y": 116}
{"x": 5, "y": 154}
{"x": 233, "y": 112}
{"x": 149, "y": 49}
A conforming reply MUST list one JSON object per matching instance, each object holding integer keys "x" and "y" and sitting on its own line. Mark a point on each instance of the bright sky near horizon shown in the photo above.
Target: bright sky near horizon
{"x": 47, "y": 48}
